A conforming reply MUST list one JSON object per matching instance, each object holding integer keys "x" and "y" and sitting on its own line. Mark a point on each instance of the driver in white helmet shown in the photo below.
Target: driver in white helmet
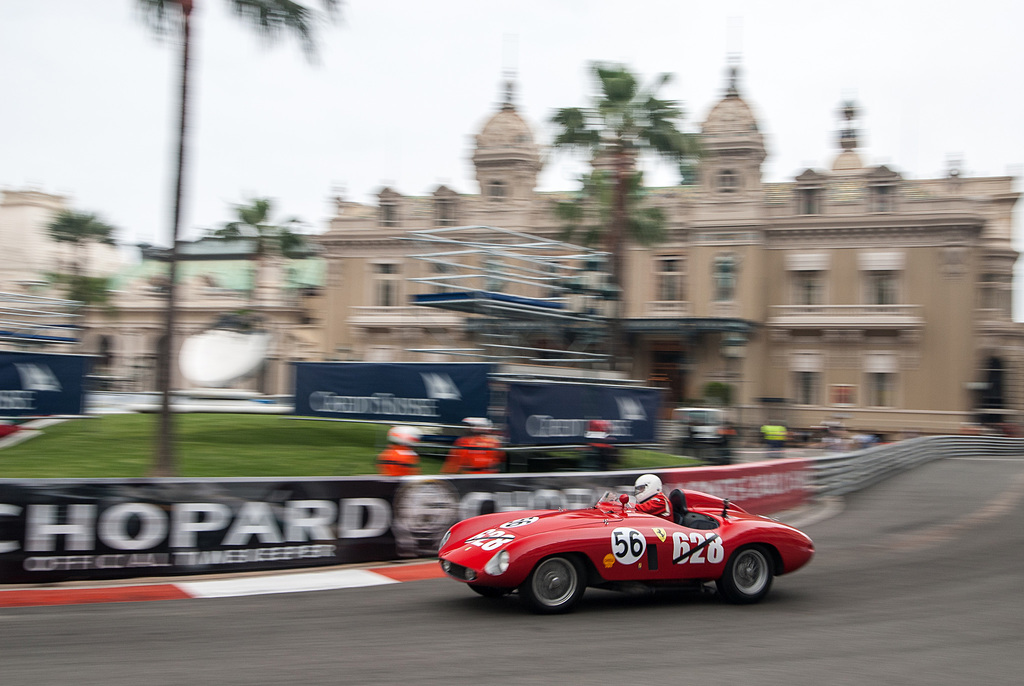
{"x": 650, "y": 499}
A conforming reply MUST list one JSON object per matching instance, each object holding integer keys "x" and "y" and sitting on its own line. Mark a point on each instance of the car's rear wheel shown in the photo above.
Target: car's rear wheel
{"x": 747, "y": 577}
{"x": 489, "y": 591}
{"x": 554, "y": 585}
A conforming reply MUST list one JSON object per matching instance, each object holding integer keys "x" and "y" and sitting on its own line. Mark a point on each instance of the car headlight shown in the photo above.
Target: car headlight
{"x": 498, "y": 564}
{"x": 444, "y": 539}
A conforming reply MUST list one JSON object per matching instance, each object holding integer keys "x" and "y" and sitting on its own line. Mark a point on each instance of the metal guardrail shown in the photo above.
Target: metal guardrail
{"x": 848, "y": 472}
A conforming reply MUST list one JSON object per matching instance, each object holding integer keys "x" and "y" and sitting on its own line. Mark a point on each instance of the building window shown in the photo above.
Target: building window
{"x": 996, "y": 293}
{"x": 388, "y": 214}
{"x": 881, "y": 386}
{"x": 387, "y": 279}
{"x": 670, "y": 278}
{"x": 724, "y": 276}
{"x": 441, "y": 272}
{"x": 445, "y": 212}
{"x": 842, "y": 394}
{"x": 881, "y": 198}
{"x": 728, "y": 181}
{"x": 497, "y": 191}
{"x": 807, "y": 288}
{"x": 883, "y": 287}
{"x": 810, "y": 201}
{"x": 807, "y": 388}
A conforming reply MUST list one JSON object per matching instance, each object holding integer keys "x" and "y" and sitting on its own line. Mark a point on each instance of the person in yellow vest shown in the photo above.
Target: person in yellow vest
{"x": 774, "y": 435}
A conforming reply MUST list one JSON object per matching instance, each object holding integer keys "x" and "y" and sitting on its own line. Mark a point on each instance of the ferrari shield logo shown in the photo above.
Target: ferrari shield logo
{"x": 660, "y": 533}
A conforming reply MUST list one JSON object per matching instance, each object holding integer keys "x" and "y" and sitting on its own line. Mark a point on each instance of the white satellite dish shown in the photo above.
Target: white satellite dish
{"x": 216, "y": 357}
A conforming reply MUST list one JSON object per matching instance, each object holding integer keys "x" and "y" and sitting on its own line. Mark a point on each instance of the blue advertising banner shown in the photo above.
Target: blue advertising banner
{"x": 35, "y": 384}
{"x": 392, "y": 392}
{"x": 557, "y": 414}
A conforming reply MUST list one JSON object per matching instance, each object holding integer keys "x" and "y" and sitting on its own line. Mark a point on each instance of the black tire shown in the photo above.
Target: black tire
{"x": 748, "y": 575}
{"x": 489, "y": 591}
{"x": 555, "y": 585}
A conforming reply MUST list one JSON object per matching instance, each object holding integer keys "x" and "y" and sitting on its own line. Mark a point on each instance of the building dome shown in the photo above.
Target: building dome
{"x": 847, "y": 161}
{"x": 507, "y": 159}
{"x": 506, "y": 129}
{"x": 733, "y": 144}
{"x": 730, "y": 117}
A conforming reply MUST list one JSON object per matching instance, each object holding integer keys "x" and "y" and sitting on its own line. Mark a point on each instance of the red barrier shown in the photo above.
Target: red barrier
{"x": 758, "y": 487}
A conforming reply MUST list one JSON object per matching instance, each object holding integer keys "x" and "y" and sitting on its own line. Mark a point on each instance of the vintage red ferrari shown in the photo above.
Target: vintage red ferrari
{"x": 551, "y": 556}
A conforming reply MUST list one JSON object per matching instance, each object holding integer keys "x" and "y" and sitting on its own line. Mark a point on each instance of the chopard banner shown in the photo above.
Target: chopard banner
{"x": 398, "y": 392}
{"x": 56, "y": 530}
{"x": 554, "y": 413}
{"x": 33, "y": 384}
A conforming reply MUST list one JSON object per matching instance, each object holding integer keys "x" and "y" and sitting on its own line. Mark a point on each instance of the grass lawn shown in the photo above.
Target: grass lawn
{"x": 232, "y": 445}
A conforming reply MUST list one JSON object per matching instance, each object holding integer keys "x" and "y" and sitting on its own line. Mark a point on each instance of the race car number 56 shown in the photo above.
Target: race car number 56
{"x": 628, "y": 545}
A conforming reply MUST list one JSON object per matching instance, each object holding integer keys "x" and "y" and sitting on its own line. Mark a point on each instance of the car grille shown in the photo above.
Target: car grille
{"x": 457, "y": 571}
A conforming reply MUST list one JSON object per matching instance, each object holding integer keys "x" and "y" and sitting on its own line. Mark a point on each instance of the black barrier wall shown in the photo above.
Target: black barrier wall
{"x": 59, "y": 531}
{"x": 54, "y": 530}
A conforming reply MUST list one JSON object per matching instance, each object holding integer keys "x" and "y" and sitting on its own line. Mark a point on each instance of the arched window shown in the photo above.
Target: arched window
{"x": 728, "y": 181}
{"x": 497, "y": 191}
{"x": 105, "y": 351}
{"x": 724, "y": 275}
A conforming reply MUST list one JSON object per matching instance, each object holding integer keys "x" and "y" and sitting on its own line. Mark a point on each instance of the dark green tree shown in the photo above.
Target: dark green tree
{"x": 254, "y": 223}
{"x": 623, "y": 122}
{"x": 80, "y": 229}
{"x": 173, "y": 18}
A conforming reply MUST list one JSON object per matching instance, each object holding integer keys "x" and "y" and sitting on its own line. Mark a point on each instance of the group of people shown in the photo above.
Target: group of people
{"x": 477, "y": 452}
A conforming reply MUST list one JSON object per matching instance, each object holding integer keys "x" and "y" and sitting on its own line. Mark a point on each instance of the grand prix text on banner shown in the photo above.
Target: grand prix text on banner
{"x": 392, "y": 392}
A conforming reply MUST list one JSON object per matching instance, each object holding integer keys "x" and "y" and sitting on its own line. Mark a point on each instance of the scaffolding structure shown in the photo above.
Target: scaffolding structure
{"x": 35, "y": 320}
{"x": 530, "y": 299}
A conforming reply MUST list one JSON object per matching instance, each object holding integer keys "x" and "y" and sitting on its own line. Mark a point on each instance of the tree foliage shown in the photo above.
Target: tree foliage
{"x": 174, "y": 18}
{"x": 623, "y": 122}
{"x": 255, "y": 223}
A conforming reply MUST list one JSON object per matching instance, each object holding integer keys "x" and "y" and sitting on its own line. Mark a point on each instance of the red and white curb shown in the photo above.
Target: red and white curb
{"x": 223, "y": 588}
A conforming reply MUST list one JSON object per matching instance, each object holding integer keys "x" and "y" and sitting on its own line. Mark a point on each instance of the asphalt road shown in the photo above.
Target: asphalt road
{"x": 916, "y": 581}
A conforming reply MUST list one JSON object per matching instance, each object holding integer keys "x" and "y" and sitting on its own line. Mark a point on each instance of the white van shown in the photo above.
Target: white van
{"x": 703, "y": 432}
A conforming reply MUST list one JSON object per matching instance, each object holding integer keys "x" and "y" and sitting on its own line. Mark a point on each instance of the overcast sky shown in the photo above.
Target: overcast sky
{"x": 88, "y": 104}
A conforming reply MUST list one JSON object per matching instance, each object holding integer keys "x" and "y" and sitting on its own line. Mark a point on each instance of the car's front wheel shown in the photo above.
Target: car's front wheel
{"x": 747, "y": 577}
{"x": 554, "y": 585}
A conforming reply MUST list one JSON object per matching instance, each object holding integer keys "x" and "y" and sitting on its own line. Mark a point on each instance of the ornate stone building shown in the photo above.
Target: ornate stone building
{"x": 848, "y": 294}
{"x": 216, "y": 278}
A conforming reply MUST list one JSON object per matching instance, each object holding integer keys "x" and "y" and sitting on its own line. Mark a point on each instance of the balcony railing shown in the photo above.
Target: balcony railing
{"x": 402, "y": 315}
{"x": 667, "y": 308}
{"x": 853, "y": 316}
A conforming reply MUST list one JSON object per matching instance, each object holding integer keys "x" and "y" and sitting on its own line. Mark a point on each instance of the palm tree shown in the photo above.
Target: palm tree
{"x": 254, "y": 224}
{"x": 80, "y": 229}
{"x": 173, "y": 17}
{"x": 623, "y": 122}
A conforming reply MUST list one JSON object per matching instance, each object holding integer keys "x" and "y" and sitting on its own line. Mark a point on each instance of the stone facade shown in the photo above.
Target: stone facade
{"x": 847, "y": 294}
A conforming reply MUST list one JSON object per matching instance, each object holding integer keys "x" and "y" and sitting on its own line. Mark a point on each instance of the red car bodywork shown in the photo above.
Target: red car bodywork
{"x": 612, "y": 543}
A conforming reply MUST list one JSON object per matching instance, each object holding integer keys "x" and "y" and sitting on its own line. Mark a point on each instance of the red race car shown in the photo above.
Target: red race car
{"x": 551, "y": 556}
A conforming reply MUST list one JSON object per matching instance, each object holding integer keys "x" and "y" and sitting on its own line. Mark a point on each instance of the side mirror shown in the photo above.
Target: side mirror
{"x": 624, "y": 499}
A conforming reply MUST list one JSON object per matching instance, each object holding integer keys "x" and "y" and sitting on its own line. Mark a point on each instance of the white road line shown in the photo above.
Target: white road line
{"x": 284, "y": 583}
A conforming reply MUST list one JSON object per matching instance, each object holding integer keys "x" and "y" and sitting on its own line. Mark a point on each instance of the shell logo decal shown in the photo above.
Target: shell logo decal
{"x": 609, "y": 560}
